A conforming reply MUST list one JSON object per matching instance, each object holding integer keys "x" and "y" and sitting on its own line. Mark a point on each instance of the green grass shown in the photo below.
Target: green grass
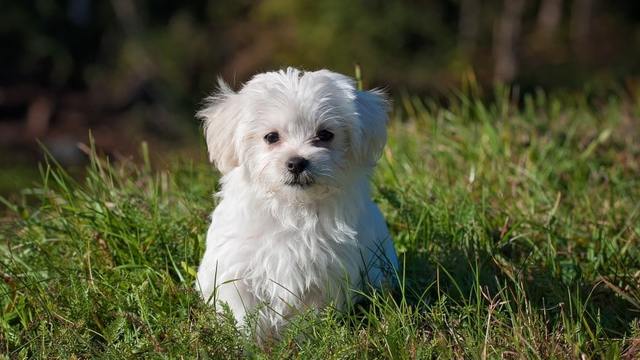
{"x": 518, "y": 229}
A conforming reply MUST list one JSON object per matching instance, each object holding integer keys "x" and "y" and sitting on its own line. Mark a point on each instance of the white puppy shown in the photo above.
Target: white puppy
{"x": 295, "y": 228}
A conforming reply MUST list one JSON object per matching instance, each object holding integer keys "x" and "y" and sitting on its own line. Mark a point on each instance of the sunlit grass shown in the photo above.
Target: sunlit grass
{"x": 518, "y": 229}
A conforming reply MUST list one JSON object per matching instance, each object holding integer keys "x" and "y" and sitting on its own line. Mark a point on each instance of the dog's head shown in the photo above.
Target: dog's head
{"x": 296, "y": 133}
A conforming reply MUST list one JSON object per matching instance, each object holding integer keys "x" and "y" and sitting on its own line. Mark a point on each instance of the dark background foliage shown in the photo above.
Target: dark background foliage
{"x": 133, "y": 70}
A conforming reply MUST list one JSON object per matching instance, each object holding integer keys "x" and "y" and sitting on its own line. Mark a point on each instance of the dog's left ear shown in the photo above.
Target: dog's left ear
{"x": 370, "y": 134}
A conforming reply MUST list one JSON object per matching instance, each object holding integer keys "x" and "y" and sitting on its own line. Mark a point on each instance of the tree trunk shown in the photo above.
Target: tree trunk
{"x": 580, "y": 26}
{"x": 505, "y": 36}
{"x": 468, "y": 25}
{"x": 549, "y": 17}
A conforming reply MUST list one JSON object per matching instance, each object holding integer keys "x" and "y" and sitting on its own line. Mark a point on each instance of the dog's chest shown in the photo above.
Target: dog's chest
{"x": 301, "y": 267}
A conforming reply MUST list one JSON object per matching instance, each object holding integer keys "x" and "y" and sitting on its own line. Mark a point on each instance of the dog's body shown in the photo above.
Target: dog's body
{"x": 295, "y": 228}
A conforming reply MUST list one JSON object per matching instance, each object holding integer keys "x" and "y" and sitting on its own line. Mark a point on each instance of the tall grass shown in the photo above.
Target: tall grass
{"x": 518, "y": 228}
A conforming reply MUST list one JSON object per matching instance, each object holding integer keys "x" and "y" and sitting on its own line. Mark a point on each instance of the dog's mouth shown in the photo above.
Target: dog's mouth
{"x": 300, "y": 181}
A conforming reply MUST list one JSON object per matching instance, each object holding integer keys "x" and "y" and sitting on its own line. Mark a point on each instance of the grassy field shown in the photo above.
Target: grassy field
{"x": 518, "y": 228}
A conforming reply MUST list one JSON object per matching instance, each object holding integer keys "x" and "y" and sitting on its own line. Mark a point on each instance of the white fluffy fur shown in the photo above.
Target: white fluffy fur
{"x": 275, "y": 249}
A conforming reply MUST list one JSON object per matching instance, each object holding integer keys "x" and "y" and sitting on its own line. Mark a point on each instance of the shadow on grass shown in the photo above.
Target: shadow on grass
{"x": 464, "y": 276}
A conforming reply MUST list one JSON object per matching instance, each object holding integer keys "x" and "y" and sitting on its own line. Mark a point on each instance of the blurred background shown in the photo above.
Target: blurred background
{"x": 133, "y": 70}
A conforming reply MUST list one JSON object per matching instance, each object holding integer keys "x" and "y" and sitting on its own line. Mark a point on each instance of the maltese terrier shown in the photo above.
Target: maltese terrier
{"x": 295, "y": 227}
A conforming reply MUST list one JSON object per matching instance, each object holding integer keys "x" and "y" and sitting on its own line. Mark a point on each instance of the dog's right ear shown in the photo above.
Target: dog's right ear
{"x": 220, "y": 117}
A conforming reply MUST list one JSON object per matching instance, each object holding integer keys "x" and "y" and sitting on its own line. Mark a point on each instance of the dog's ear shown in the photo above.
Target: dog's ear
{"x": 220, "y": 116}
{"x": 370, "y": 134}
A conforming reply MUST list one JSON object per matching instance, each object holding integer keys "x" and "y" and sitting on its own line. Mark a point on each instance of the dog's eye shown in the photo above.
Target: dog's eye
{"x": 324, "y": 135}
{"x": 272, "y": 137}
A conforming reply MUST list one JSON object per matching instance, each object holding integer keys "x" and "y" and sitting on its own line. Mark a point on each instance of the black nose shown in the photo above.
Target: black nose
{"x": 297, "y": 164}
